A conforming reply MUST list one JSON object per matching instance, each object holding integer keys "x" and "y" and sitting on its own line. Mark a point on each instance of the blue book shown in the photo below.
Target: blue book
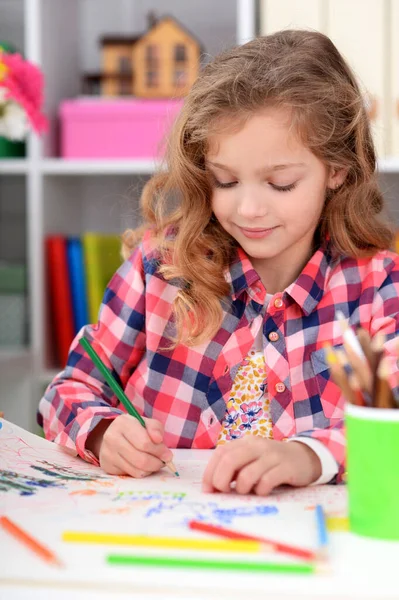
{"x": 77, "y": 275}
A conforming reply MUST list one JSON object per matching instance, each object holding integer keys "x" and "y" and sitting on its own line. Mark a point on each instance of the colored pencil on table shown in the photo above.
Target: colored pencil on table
{"x": 26, "y": 539}
{"x": 237, "y": 535}
{"x": 115, "y": 387}
{"x": 213, "y": 565}
{"x": 321, "y": 531}
{"x": 175, "y": 543}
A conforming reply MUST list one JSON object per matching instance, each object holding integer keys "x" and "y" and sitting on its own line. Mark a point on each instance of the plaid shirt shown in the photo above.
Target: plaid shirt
{"x": 187, "y": 388}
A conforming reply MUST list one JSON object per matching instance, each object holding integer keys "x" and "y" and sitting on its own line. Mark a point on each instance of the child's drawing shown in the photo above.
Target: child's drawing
{"x": 67, "y": 493}
{"x": 23, "y": 484}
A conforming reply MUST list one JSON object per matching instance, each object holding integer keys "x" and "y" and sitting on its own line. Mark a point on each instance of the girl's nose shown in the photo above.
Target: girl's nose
{"x": 252, "y": 205}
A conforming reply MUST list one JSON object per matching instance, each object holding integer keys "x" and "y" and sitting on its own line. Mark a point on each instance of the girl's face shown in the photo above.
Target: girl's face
{"x": 269, "y": 191}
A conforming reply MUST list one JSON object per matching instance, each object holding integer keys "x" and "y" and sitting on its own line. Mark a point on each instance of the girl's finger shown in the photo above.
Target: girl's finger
{"x": 128, "y": 469}
{"x": 270, "y": 480}
{"x": 251, "y": 473}
{"x": 139, "y": 438}
{"x": 235, "y": 457}
{"x": 140, "y": 460}
{"x": 207, "y": 486}
{"x": 155, "y": 430}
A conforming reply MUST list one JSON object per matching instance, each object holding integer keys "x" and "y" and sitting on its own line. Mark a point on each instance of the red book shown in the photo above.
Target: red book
{"x": 60, "y": 296}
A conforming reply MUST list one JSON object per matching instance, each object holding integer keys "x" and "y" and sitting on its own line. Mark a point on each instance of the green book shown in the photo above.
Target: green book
{"x": 102, "y": 254}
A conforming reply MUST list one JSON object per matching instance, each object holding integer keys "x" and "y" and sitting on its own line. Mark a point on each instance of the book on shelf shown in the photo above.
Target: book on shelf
{"x": 60, "y": 300}
{"x": 102, "y": 258}
{"x": 77, "y": 274}
{"x": 79, "y": 269}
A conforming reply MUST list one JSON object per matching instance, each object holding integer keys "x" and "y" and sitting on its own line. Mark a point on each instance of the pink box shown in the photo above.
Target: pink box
{"x": 115, "y": 128}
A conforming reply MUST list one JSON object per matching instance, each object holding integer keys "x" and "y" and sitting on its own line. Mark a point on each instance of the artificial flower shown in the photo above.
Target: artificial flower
{"x": 21, "y": 97}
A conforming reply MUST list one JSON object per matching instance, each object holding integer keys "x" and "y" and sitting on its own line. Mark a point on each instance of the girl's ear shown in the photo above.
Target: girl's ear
{"x": 336, "y": 178}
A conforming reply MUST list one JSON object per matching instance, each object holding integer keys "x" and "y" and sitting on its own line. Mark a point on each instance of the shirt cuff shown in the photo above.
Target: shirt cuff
{"x": 329, "y": 467}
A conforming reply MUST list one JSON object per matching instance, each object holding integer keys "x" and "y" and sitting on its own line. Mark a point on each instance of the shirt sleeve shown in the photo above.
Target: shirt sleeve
{"x": 333, "y": 440}
{"x": 78, "y": 398}
{"x": 329, "y": 467}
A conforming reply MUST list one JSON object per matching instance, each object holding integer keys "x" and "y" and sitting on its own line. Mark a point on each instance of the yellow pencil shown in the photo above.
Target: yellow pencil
{"x": 121, "y": 539}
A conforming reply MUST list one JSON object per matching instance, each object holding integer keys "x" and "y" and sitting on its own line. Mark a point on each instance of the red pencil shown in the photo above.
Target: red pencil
{"x": 29, "y": 541}
{"x": 236, "y": 535}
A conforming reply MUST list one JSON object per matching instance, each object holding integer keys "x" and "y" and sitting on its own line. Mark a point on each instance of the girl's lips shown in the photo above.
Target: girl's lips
{"x": 257, "y": 232}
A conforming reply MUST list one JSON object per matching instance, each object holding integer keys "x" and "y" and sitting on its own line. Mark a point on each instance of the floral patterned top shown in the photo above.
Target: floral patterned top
{"x": 248, "y": 407}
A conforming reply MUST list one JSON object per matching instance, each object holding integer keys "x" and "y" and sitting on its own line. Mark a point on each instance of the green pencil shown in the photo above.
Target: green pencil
{"x": 214, "y": 565}
{"x": 115, "y": 387}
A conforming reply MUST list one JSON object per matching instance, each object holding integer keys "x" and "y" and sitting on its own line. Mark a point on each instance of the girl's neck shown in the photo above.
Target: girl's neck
{"x": 279, "y": 272}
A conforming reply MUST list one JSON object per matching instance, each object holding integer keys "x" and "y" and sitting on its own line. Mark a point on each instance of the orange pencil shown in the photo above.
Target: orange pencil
{"x": 29, "y": 541}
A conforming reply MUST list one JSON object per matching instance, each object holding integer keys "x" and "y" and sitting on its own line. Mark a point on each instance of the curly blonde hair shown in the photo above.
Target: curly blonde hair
{"x": 299, "y": 70}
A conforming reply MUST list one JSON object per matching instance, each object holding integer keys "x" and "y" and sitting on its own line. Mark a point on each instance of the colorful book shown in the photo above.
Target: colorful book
{"x": 102, "y": 254}
{"x": 59, "y": 289}
{"x": 77, "y": 278}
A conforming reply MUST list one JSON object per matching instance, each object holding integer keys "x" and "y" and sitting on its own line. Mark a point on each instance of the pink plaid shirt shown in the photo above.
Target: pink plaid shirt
{"x": 187, "y": 388}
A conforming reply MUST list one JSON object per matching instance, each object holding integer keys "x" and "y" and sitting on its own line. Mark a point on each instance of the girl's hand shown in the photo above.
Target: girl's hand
{"x": 126, "y": 448}
{"x": 259, "y": 465}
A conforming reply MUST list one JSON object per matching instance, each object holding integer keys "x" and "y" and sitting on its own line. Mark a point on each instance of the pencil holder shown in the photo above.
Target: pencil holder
{"x": 373, "y": 471}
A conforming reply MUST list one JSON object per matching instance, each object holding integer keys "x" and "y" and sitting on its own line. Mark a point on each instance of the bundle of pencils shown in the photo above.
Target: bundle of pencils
{"x": 360, "y": 369}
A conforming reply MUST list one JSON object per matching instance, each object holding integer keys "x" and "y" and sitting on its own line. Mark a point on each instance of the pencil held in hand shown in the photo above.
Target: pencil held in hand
{"x": 119, "y": 393}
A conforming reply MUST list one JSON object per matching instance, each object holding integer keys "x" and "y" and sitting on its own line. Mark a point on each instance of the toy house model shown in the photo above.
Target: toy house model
{"x": 161, "y": 63}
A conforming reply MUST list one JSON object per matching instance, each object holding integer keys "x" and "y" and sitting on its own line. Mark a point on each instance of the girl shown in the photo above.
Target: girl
{"x": 265, "y": 223}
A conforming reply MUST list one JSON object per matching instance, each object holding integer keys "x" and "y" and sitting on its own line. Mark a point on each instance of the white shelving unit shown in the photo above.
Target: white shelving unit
{"x": 72, "y": 196}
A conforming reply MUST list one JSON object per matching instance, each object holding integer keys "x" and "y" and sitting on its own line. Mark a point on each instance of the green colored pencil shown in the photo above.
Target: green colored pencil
{"x": 115, "y": 387}
{"x": 214, "y": 565}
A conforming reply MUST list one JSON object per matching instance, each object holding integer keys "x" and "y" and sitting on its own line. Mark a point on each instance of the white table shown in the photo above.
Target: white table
{"x": 360, "y": 568}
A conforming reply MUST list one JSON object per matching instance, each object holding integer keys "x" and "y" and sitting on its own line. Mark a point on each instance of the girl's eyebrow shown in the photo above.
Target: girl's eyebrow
{"x": 277, "y": 167}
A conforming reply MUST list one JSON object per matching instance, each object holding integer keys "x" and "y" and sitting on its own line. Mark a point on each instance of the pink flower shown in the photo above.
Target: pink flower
{"x": 246, "y": 423}
{"x": 24, "y": 84}
{"x": 230, "y": 418}
{"x": 252, "y": 410}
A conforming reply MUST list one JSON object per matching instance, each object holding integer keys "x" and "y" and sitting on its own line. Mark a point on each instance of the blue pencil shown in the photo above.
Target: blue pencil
{"x": 321, "y": 531}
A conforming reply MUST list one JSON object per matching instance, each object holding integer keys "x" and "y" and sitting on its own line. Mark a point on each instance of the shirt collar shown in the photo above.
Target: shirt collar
{"x": 306, "y": 290}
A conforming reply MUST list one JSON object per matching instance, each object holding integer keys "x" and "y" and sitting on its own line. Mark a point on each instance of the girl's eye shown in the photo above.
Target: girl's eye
{"x": 283, "y": 188}
{"x": 224, "y": 186}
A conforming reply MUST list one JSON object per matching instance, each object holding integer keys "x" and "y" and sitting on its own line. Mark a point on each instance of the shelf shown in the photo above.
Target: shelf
{"x": 10, "y": 166}
{"x": 59, "y": 166}
{"x": 389, "y": 165}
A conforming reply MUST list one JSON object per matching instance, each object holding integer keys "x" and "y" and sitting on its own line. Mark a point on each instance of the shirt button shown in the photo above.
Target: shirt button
{"x": 226, "y": 370}
{"x": 211, "y": 421}
{"x": 273, "y": 336}
{"x": 280, "y": 387}
{"x": 278, "y": 303}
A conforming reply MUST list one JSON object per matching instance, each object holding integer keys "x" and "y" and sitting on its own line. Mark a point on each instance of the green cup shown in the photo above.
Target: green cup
{"x": 373, "y": 471}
